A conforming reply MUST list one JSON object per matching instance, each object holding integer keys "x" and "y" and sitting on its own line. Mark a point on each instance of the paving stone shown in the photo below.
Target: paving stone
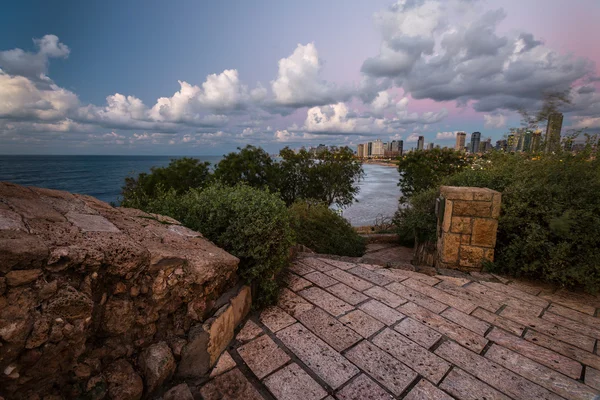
{"x": 385, "y": 296}
{"x": 224, "y": 364}
{"x": 263, "y": 356}
{"x": 417, "y": 297}
{"x": 573, "y": 325}
{"x": 320, "y": 279}
{"x": 575, "y": 315}
{"x": 537, "y": 353}
{"x": 370, "y": 276}
{"x": 351, "y": 280}
{"x": 397, "y": 275}
{"x": 471, "y": 296}
{"x": 549, "y": 328}
{"x": 565, "y": 349}
{"x": 454, "y": 280}
{"x": 326, "y": 301}
{"x": 441, "y": 296}
{"x": 524, "y": 287}
{"x": 416, "y": 357}
{"x": 466, "y": 387}
{"x": 471, "y": 323}
{"x": 381, "y": 312}
{"x": 489, "y": 293}
{"x": 592, "y": 378}
{"x": 371, "y": 267}
{"x": 382, "y": 367}
{"x": 323, "y": 360}
{"x": 417, "y": 332}
{"x": 338, "y": 264}
{"x": 501, "y": 322}
{"x": 426, "y": 279}
{"x": 426, "y": 391}
{"x": 586, "y": 304}
{"x": 516, "y": 293}
{"x": 493, "y": 374}
{"x": 361, "y": 323}
{"x": 291, "y": 303}
{"x": 300, "y": 268}
{"x": 295, "y": 282}
{"x": 347, "y": 294}
{"x": 276, "y": 319}
{"x": 249, "y": 331}
{"x": 363, "y": 388}
{"x": 537, "y": 373}
{"x": 292, "y": 383}
{"x": 329, "y": 329}
{"x": 317, "y": 264}
{"x": 454, "y": 331}
{"x": 231, "y": 385}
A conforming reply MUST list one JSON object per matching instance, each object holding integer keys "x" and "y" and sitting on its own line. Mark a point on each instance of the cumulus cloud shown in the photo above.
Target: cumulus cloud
{"x": 494, "y": 121}
{"x": 33, "y": 65}
{"x": 298, "y": 83}
{"x": 446, "y": 135}
{"x": 412, "y": 138}
{"x": 432, "y": 53}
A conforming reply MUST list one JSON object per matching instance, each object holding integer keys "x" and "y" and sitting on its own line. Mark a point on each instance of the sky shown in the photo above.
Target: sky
{"x": 203, "y": 78}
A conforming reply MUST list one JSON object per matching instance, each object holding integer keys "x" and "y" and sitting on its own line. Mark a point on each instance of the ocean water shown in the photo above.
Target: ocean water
{"x": 103, "y": 176}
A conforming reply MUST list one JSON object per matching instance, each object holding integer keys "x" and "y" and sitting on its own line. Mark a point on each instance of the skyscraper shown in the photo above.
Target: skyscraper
{"x": 369, "y": 149}
{"x": 553, "y": 129}
{"x": 400, "y": 147}
{"x": 378, "y": 149}
{"x": 429, "y": 146}
{"x": 536, "y": 140}
{"x": 421, "y": 143}
{"x": 360, "y": 151}
{"x": 461, "y": 138}
{"x": 511, "y": 142}
{"x": 527, "y": 140}
{"x": 475, "y": 141}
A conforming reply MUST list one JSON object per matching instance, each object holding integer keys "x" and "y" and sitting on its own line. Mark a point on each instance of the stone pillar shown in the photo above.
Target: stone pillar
{"x": 467, "y": 225}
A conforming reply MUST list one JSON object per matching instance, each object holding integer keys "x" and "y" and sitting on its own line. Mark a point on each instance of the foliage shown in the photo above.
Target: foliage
{"x": 421, "y": 170}
{"x": 330, "y": 178}
{"x": 416, "y": 220}
{"x": 324, "y": 231}
{"x": 252, "y": 224}
{"x": 250, "y": 165}
{"x": 180, "y": 175}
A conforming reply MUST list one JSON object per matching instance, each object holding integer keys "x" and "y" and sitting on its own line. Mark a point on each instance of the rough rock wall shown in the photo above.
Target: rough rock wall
{"x": 101, "y": 302}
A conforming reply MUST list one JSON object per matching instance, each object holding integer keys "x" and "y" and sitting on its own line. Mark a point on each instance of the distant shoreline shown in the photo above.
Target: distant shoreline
{"x": 382, "y": 163}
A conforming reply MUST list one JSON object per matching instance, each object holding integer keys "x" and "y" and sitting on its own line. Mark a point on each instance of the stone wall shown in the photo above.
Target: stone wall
{"x": 467, "y": 227}
{"x": 101, "y": 302}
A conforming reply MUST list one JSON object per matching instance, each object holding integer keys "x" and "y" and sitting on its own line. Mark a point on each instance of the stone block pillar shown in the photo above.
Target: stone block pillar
{"x": 467, "y": 225}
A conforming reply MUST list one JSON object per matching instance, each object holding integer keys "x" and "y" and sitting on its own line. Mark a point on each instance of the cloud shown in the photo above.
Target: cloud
{"x": 33, "y": 65}
{"x": 494, "y": 121}
{"x": 445, "y": 135}
{"x": 412, "y": 138}
{"x": 451, "y": 51}
{"x": 298, "y": 83}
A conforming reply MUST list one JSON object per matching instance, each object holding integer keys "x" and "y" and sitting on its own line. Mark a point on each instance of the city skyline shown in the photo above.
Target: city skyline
{"x": 82, "y": 79}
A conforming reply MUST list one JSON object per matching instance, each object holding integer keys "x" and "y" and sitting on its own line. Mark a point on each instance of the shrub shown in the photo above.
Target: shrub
{"x": 324, "y": 231}
{"x": 251, "y": 165}
{"x": 421, "y": 170}
{"x": 416, "y": 221}
{"x": 250, "y": 223}
{"x": 180, "y": 175}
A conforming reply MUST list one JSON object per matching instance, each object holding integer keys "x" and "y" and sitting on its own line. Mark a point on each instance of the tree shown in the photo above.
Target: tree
{"x": 250, "y": 165}
{"x": 180, "y": 175}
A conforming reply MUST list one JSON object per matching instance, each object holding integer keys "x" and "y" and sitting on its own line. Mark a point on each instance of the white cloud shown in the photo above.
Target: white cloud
{"x": 33, "y": 65}
{"x": 381, "y": 102}
{"x": 412, "y": 138}
{"x": 298, "y": 83}
{"x": 492, "y": 121}
{"x": 329, "y": 118}
{"x": 446, "y": 135}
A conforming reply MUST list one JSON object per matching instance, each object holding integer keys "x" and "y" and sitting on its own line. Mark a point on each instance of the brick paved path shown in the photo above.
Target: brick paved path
{"x": 354, "y": 331}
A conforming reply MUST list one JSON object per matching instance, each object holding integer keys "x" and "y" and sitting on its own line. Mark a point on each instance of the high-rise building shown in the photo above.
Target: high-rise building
{"x": 553, "y": 129}
{"x": 400, "y": 147}
{"x": 393, "y": 148}
{"x": 461, "y": 137}
{"x": 475, "y": 141}
{"x": 420, "y": 143}
{"x": 501, "y": 145}
{"x": 486, "y": 146}
{"x": 369, "y": 149}
{"x": 429, "y": 146}
{"x": 360, "y": 151}
{"x": 527, "y": 140}
{"x": 536, "y": 140}
{"x": 377, "y": 150}
{"x": 511, "y": 142}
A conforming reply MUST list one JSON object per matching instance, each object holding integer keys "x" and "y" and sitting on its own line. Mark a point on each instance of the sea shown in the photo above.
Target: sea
{"x": 103, "y": 177}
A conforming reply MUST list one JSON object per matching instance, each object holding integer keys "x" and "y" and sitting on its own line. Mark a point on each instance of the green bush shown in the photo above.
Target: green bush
{"x": 180, "y": 175}
{"x": 416, "y": 221}
{"x": 324, "y": 231}
{"x": 250, "y": 223}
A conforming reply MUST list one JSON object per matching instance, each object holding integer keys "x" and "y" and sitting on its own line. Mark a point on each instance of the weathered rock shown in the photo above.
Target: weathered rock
{"x": 22, "y": 276}
{"x": 179, "y": 392}
{"x": 123, "y": 382}
{"x": 89, "y": 291}
{"x": 158, "y": 365}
